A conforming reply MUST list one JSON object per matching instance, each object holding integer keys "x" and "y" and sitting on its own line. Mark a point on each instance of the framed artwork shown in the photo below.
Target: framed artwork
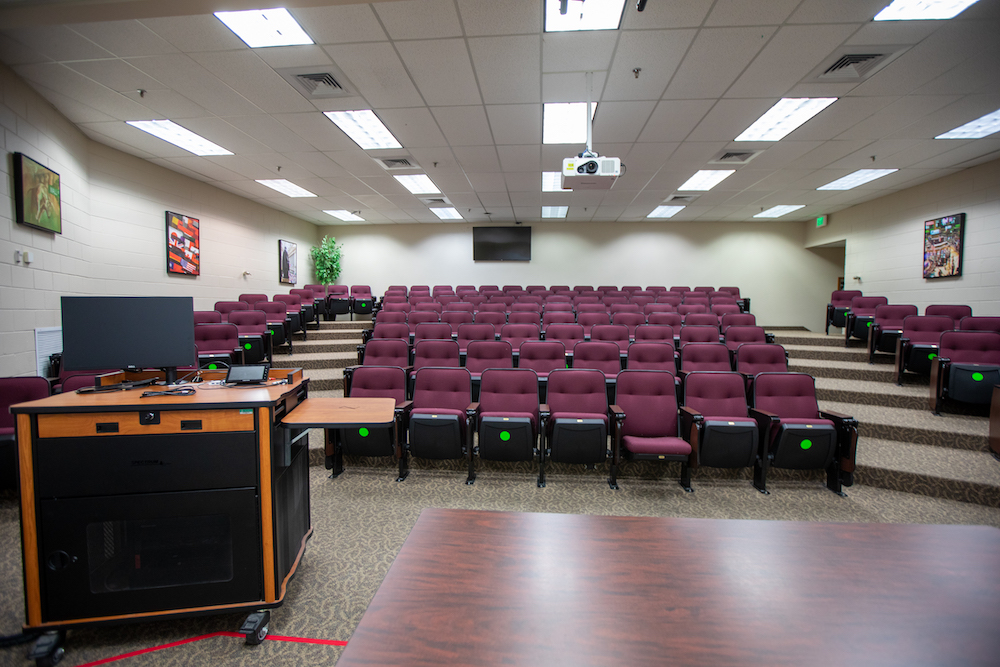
{"x": 943, "y": 246}
{"x": 37, "y": 202}
{"x": 183, "y": 245}
{"x": 288, "y": 263}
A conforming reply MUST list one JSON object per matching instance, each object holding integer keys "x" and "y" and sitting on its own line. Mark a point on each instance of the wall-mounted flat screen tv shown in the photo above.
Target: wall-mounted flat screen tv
{"x": 943, "y": 246}
{"x": 501, "y": 244}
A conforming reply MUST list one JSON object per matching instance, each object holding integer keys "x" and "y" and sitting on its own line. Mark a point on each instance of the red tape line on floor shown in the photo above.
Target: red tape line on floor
{"x": 280, "y": 638}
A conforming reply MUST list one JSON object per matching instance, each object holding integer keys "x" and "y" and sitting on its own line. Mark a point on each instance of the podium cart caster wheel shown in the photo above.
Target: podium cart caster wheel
{"x": 47, "y": 650}
{"x": 255, "y": 627}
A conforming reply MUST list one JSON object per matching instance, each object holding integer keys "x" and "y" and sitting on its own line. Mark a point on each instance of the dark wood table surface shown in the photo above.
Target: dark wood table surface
{"x": 498, "y": 588}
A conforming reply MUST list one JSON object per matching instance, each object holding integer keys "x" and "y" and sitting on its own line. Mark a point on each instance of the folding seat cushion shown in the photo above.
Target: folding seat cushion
{"x": 917, "y": 345}
{"x": 967, "y": 367}
{"x": 576, "y": 426}
{"x": 507, "y": 416}
{"x": 861, "y": 316}
{"x": 715, "y": 404}
{"x": 887, "y": 327}
{"x": 839, "y": 306}
{"x": 955, "y": 312}
{"x": 439, "y": 416}
{"x": 796, "y": 434}
{"x": 646, "y": 425}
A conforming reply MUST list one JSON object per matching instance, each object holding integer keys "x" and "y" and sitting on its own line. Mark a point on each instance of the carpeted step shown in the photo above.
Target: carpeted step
{"x": 316, "y": 360}
{"x": 920, "y": 427}
{"x": 313, "y": 347}
{"x": 845, "y": 370}
{"x": 838, "y": 354}
{"x": 972, "y": 477}
{"x": 326, "y": 380}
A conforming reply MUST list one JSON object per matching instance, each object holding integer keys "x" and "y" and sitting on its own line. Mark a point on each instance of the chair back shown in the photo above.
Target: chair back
{"x": 541, "y": 356}
{"x": 387, "y": 352}
{"x": 649, "y": 400}
{"x": 716, "y": 394}
{"x": 788, "y": 395}
{"x": 483, "y": 354}
{"x": 577, "y": 390}
{"x": 14, "y": 390}
{"x": 442, "y": 388}
{"x": 753, "y": 358}
{"x": 370, "y": 381}
{"x": 970, "y": 347}
{"x": 705, "y": 357}
{"x": 653, "y": 355}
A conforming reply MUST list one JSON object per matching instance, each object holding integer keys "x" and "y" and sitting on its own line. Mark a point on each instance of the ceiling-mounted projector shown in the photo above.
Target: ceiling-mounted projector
{"x": 590, "y": 173}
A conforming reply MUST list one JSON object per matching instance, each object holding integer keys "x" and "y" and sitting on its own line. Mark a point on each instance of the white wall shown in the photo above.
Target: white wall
{"x": 114, "y": 233}
{"x": 788, "y": 285}
{"x": 885, "y": 241}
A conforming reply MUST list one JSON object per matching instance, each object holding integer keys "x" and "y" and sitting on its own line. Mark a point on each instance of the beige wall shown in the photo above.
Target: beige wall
{"x": 885, "y": 241}
{"x": 788, "y": 285}
{"x": 114, "y": 229}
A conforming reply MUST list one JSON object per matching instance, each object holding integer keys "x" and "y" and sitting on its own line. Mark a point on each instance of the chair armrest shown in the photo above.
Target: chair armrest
{"x": 764, "y": 420}
{"x": 690, "y": 421}
{"x": 835, "y": 416}
{"x": 404, "y": 406}
{"x": 768, "y": 337}
{"x": 615, "y": 412}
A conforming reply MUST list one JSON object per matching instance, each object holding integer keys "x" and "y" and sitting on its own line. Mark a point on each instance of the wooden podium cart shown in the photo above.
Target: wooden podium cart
{"x": 139, "y": 507}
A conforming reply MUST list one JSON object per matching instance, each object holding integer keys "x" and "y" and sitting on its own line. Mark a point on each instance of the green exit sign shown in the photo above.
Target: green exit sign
{"x": 821, "y": 221}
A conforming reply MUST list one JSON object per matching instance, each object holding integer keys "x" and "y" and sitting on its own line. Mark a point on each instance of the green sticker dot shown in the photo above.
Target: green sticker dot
{"x": 213, "y": 367}
{"x": 504, "y": 435}
{"x": 247, "y": 346}
{"x": 363, "y": 432}
{"x": 931, "y": 355}
{"x": 272, "y": 331}
{"x": 869, "y": 325}
{"x": 978, "y": 377}
{"x": 806, "y": 444}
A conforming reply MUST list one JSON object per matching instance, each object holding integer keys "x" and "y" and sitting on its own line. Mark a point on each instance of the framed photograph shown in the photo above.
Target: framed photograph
{"x": 943, "y": 246}
{"x": 183, "y": 245}
{"x": 37, "y": 202}
{"x": 288, "y": 263}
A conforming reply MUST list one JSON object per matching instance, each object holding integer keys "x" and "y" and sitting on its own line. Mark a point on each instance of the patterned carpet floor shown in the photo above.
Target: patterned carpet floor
{"x": 362, "y": 518}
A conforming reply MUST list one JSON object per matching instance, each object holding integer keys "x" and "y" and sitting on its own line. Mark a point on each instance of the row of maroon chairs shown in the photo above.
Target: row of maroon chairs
{"x": 501, "y": 306}
{"x": 439, "y": 290}
{"x": 716, "y": 425}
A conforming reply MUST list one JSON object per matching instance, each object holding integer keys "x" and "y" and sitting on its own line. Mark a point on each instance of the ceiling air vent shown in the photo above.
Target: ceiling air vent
{"x": 435, "y": 201}
{"x": 734, "y": 157}
{"x": 317, "y": 82}
{"x": 853, "y": 66}
{"x": 680, "y": 199}
{"x": 399, "y": 162}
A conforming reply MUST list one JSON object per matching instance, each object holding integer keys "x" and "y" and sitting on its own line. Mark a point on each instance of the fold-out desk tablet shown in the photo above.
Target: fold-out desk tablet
{"x": 336, "y": 413}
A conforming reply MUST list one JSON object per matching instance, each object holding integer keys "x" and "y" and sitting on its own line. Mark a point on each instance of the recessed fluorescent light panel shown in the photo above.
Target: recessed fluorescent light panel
{"x": 265, "y": 27}
{"x": 589, "y": 15}
{"x": 923, "y": 10}
{"x": 447, "y": 213}
{"x": 778, "y": 211}
{"x": 665, "y": 211}
{"x": 706, "y": 179}
{"x": 555, "y": 211}
{"x": 173, "y": 133}
{"x": 365, "y": 128}
{"x": 346, "y": 216}
{"x": 860, "y": 177}
{"x": 418, "y": 184}
{"x": 565, "y": 122}
{"x": 784, "y": 117}
{"x": 552, "y": 182}
{"x": 286, "y": 187}
{"x": 976, "y": 129}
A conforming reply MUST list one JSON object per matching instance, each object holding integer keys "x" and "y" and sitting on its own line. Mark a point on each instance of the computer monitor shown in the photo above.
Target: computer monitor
{"x": 128, "y": 332}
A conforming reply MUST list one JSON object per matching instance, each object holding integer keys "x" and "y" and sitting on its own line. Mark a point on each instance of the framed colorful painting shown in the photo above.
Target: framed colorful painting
{"x": 183, "y": 245}
{"x": 288, "y": 262}
{"x": 943, "y": 241}
{"x": 37, "y": 200}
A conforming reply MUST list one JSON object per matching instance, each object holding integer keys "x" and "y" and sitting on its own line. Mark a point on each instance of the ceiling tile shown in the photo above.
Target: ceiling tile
{"x": 488, "y": 182}
{"x": 621, "y": 122}
{"x": 206, "y": 168}
{"x": 59, "y": 43}
{"x": 658, "y": 14}
{"x": 741, "y": 13}
{"x": 949, "y": 117}
{"x": 377, "y": 72}
{"x": 572, "y": 86}
{"x": 191, "y": 34}
{"x": 523, "y": 182}
{"x": 585, "y": 51}
{"x": 656, "y": 52}
{"x": 341, "y": 24}
{"x": 74, "y": 110}
{"x": 139, "y": 140}
{"x": 442, "y": 71}
{"x": 728, "y": 118}
{"x": 168, "y": 104}
{"x": 716, "y": 58}
{"x": 270, "y": 132}
{"x": 826, "y": 153}
{"x": 520, "y": 158}
{"x": 316, "y": 129}
{"x": 226, "y": 134}
{"x": 116, "y": 74}
{"x": 822, "y": 11}
{"x": 439, "y": 158}
{"x": 413, "y": 127}
{"x": 184, "y": 75}
{"x": 789, "y": 57}
{"x": 673, "y": 120}
{"x": 318, "y": 164}
{"x": 252, "y": 78}
{"x": 125, "y": 38}
{"x": 841, "y": 116}
{"x": 293, "y": 56}
{"x": 63, "y": 80}
{"x": 649, "y": 157}
{"x": 426, "y": 19}
{"x": 893, "y": 32}
{"x": 477, "y": 158}
{"x": 464, "y": 126}
{"x": 510, "y": 17}
{"x": 13, "y": 52}
{"x": 516, "y": 123}
{"x": 525, "y": 198}
{"x": 356, "y": 162}
{"x": 507, "y": 68}
{"x": 897, "y": 115}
